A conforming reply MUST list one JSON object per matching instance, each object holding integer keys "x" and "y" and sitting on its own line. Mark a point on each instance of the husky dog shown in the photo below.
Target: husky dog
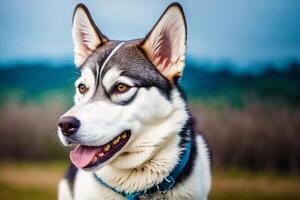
{"x": 131, "y": 126}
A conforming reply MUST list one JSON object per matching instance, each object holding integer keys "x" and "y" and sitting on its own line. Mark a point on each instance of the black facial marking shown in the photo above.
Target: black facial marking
{"x": 130, "y": 100}
{"x": 70, "y": 175}
{"x": 101, "y": 62}
{"x": 95, "y": 63}
{"x": 189, "y": 132}
{"x": 100, "y": 57}
{"x": 132, "y": 63}
{"x": 144, "y": 78}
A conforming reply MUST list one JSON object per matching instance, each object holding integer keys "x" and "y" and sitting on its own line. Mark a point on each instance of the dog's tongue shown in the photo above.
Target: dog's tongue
{"x": 81, "y": 156}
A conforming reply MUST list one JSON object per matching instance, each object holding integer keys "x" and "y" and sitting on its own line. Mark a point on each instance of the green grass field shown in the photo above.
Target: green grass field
{"x": 25, "y": 180}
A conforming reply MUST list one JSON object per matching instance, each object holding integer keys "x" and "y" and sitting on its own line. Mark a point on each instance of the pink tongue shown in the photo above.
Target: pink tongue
{"x": 81, "y": 156}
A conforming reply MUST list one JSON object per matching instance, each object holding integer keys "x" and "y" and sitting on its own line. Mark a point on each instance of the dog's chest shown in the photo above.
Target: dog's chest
{"x": 87, "y": 188}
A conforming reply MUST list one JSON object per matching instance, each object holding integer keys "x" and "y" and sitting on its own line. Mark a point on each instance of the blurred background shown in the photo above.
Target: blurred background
{"x": 242, "y": 80}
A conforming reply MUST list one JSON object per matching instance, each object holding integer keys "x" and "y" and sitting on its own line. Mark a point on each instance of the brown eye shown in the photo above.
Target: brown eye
{"x": 82, "y": 88}
{"x": 122, "y": 88}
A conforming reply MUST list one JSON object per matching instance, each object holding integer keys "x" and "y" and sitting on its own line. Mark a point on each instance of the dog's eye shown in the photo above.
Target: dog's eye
{"x": 82, "y": 88}
{"x": 121, "y": 88}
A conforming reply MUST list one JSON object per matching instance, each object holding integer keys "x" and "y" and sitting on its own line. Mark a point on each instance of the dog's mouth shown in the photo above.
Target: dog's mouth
{"x": 90, "y": 156}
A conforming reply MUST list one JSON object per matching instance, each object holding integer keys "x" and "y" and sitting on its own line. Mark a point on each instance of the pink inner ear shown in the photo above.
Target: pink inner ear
{"x": 165, "y": 45}
{"x": 84, "y": 42}
{"x": 164, "y": 53}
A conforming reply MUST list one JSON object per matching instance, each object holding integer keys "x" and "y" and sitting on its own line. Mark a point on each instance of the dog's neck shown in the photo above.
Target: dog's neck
{"x": 147, "y": 164}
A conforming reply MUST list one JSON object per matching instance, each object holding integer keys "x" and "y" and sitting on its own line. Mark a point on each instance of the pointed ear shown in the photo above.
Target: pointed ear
{"x": 86, "y": 36}
{"x": 165, "y": 45}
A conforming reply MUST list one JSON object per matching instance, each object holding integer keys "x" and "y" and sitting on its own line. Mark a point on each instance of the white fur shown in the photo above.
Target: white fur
{"x": 196, "y": 186}
{"x": 111, "y": 78}
{"x": 151, "y": 153}
{"x": 64, "y": 190}
{"x": 87, "y": 78}
{"x": 101, "y": 121}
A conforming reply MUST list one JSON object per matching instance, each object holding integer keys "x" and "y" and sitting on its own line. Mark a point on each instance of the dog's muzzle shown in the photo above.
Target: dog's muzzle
{"x": 86, "y": 156}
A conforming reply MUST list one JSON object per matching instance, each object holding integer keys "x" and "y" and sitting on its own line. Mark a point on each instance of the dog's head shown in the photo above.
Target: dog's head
{"x": 127, "y": 103}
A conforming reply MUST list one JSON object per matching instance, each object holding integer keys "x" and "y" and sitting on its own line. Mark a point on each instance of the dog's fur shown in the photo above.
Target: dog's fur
{"x": 153, "y": 109}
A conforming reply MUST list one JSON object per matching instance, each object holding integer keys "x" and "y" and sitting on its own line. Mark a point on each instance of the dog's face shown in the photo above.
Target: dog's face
{"x": 126, "y": 92}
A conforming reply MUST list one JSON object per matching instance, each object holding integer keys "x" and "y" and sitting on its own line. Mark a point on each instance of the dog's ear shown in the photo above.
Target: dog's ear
{"x": 165, "y": 45}
{"x": 86, "y": 36}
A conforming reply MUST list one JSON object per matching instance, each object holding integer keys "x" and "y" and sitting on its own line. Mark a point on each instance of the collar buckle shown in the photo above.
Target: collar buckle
{"x": 171, "y": 182}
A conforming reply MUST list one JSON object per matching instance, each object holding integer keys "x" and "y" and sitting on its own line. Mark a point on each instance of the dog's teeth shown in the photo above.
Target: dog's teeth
{"x": 101, "y": 154}
{"x": 94, "y": 159}
{"x": 116, "y": 141}
{"x": 124, "y": 135}
{"x": 107, "y": 148}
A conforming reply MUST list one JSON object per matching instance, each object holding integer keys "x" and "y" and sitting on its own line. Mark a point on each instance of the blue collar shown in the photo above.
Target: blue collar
{"x": 167, "y": 184}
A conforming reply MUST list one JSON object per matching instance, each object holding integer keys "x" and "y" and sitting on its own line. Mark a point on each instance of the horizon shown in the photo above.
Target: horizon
{"x": 191, "y": 62}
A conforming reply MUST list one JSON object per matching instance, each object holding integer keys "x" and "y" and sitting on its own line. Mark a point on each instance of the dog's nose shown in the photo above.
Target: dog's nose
{"x": 68, "y": 125}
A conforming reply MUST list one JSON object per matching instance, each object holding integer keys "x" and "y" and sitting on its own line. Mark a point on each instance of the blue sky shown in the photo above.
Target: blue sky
{"x": 237, "y": 31}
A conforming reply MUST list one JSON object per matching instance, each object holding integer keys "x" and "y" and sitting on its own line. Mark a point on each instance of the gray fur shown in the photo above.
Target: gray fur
{"x": 133, "y": 63}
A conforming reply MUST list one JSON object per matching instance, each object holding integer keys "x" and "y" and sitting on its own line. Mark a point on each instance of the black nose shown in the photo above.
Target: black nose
{"x": 68, "y": 125}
